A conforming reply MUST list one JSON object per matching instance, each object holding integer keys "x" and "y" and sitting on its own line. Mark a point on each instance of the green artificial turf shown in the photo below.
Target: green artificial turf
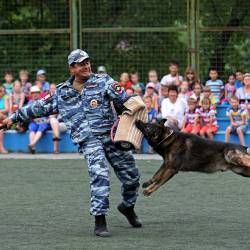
{"x": 44, "y": 205}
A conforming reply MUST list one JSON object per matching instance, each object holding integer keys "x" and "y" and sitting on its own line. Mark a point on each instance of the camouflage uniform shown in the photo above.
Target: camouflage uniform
{"x": 89, "y": 117}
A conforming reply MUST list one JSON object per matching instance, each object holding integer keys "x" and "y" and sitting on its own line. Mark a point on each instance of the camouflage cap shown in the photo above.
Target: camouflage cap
{"x": 77, "y": 56}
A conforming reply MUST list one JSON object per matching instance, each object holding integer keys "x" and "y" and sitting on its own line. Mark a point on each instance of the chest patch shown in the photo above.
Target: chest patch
{"x": 93, "y": 103}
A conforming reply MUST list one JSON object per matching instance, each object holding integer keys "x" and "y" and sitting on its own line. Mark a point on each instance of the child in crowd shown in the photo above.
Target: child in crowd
{"x": 134, "y": 76}
{"x": 8, "y": 85}
{"x": 216, "y": 85}
{"x": 163, "y": 95}
{"x": 130, "y": 91}
{"x": 39, "y": 125}
{"x": 190, "y": 122}
{"x": 152, "y": 114}
{"x": 153, "y": 77}
{"x": 125, "y": 81}
{"x": 150, "y": 91}
{"x": 4, "y": 109}
{"x": 238, "y": 120}
{"x": 173, "y": 77}
{"x": 190, "y": 77}
{"x": 26, "y": 85}
{"x": 197, "y": 90}
{"x": 239, "y": 78}
{"x": 208, "y": 94}
{"x": 42, "y": 83}
{"x": 16, "y": 97}
{"x": 184, "y": 92}
{"x": 230, "y": 89}
{"x": 207, "y": 119}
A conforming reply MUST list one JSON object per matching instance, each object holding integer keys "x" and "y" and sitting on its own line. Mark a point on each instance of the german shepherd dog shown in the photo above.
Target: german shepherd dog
{"x": 187, "y": 152}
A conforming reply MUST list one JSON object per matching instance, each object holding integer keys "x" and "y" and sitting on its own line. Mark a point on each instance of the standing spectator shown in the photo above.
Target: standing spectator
{"x": 239, "y": 78}
{"x": 39, "y": 125}
{"x": 191, "y": 123}
{"x": 215, "y": 84}
{"x": 26, "y": 85}
{"x": 134, "y": 76}
{"x": 173, "y": 109}
{"x": 125, "y": 81}
{"x": 207, "y": 119}
{"x": 173, "y": 77}
{"x": 152, "y": 113}
{"x": 150, "y": 91}
{"x": 42, "y": 83}
{"x": 190, "y": 77}
{"x": 197, "y": 93}
{"x": 153, "y": 77}
{"x": 4, "y": 109}
{"x": 238, "y": 120}
{"x": 184, "y": 92}
{"x": 208, "y": 94}
{"x": 16, "y": 97}
{"x": 8, "y": 84}
{"x": 230, "y": 89}
{"x": 163, "y": 95}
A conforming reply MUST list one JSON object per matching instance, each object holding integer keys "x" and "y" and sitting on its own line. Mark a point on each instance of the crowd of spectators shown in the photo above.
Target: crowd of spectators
{"x": 188, "y": 104}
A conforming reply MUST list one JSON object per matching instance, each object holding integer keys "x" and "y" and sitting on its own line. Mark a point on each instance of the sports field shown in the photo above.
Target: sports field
{"x": 44, "y": 205}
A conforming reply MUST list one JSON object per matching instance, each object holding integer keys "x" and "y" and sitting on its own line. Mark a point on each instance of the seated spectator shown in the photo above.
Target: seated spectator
{"x": 55, "y": 125}
{"x": 207, "y": 119}
{"x": 190, "y": 77}
{"x": 173, "y": 77}
{"x": 8, "y": 84}
{"x": 216, "y": 85}
{"x": 191, "y": 123}
{"x": 4, "y": 109}
{"x": 173, "y": 109}
{"x": 197, "y": 93}
{"x": 39, "y": 125}
{"x": 238, "y": 120}
{"x": 134, "y": 76}
{"x": 152, "y": 113}
{"x": 239, "y": 78}
{"x": 42, "y": 83}
{"x": 150, "y": 91}
{"x": 130, "y": 92}
{"x": 16, "y": 97}
{"x": 153, "y": 77}
{"x": 184, "y": 93}
{"x": 26, "y": 85}
{"x": 125, "y": 81}
{"x": 243, "y": 93}
{"x": 208, "y": 94}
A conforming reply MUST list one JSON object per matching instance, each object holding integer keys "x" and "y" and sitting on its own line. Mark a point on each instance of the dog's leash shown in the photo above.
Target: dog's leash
{"x": 165, "y": 138}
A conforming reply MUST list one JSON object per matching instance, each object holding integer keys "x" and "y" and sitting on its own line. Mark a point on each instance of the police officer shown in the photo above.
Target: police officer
{"x": 83, "y": 102}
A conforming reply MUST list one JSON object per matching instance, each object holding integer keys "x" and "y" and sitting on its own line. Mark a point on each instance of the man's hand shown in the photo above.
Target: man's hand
{"x": 8, "y": 122}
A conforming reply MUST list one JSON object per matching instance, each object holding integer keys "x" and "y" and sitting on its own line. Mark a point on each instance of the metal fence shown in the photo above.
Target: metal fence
{"x": 125, "y": 35}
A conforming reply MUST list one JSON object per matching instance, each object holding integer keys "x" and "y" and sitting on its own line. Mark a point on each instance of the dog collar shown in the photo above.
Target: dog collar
{"x": 165, "y": 138}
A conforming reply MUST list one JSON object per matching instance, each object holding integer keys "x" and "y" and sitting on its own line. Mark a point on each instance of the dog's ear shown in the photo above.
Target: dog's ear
{"x": 162, "y": 122}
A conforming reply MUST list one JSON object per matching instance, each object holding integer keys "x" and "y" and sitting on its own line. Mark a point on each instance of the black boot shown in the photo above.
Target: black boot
{"x": 130, "y": 214}
{"x": 101, "y": 226}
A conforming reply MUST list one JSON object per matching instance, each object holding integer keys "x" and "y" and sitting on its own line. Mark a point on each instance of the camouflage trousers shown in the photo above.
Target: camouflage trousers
{"x": 98, "y": 152}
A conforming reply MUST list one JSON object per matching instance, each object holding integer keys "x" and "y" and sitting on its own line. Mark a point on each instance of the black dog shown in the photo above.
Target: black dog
{"x": 187, "y": 152}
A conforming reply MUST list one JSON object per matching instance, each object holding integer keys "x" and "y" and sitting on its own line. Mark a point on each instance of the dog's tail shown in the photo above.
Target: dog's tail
{"x": 248, "y": 150}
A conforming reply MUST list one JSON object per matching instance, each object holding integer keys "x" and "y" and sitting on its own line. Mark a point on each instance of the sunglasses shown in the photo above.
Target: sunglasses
{"x": 190, "y": 73}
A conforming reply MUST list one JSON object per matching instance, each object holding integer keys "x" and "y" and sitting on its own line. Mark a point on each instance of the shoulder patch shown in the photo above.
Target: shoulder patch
{"x": 117, "y": 88}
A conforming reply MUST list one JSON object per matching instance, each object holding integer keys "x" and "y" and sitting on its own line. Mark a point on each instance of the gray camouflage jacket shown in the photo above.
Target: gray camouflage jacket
{"x": 85, "y": 114}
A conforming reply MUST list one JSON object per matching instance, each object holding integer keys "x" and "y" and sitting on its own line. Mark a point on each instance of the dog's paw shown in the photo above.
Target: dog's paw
{"x": 146, "y": 192}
